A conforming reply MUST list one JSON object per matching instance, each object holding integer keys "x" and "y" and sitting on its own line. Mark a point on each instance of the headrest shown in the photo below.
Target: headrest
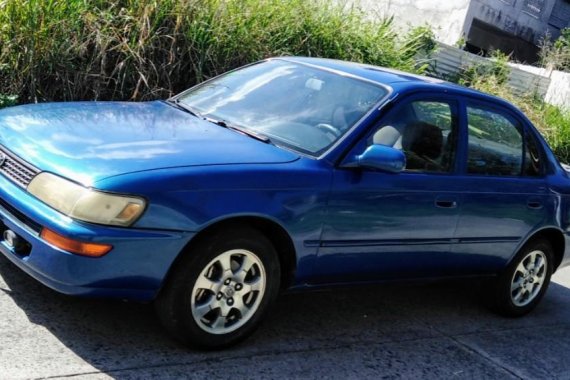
{"x": 423, "y": 139}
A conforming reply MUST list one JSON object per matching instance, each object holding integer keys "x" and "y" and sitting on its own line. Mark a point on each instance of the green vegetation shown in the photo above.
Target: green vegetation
{"x": 53, "y": 50}
{"x": 6, "y": 100}
{"x": 148, "y": 49}
{"x": 556, "y": 55}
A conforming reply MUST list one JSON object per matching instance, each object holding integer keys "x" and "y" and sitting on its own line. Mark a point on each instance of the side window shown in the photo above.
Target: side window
{"x": 495, "y": 144}
{"x": 425, "y": 131}
{"x": 532, "y": 160}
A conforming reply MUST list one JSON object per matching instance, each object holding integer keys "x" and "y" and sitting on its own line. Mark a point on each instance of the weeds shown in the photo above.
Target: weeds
{"x": 7, "y": 100}
{"x": 148, "y": 49}
{"x": 556, "y": 55}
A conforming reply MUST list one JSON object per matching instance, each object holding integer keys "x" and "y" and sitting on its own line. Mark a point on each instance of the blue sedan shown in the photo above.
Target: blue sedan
{"x": 290, "y": 173}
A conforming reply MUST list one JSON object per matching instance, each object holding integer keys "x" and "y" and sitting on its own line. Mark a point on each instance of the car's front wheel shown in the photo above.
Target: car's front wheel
{"x": 219, "y": 292}
{"x": 522, "y": 285}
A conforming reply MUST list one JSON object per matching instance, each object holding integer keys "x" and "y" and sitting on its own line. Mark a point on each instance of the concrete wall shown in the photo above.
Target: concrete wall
{"x": 526, "y": 19}
{"x": 552, "y": 86}
{"x": 513, "y": 26}
{"x": 445, "y": 16}
{"x": 559, "y": 90}
{"x": 560, "y": 18}
{"x": 452, "y": 20}
{"x": 448, "y": 61}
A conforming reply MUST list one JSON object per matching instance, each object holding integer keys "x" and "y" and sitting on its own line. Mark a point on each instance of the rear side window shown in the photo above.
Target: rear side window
{"x": 495, "y": 144}
{"x": 532, "y": 159}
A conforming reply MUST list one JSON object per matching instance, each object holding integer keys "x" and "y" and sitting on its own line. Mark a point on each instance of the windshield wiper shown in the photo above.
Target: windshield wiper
{"x": 184, "y": 107}
{"x": 245, "y": 131}
{"x": 222, "y": 123}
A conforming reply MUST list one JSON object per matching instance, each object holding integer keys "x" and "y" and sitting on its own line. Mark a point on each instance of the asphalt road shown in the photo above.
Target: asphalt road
{"x": 429, "y": 331}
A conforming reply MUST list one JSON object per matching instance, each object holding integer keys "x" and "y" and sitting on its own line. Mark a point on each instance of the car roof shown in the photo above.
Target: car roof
{"x": 399, "y": 81}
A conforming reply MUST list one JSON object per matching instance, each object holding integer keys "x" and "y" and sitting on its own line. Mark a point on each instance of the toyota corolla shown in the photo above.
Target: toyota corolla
{"x": 287, "y": 174}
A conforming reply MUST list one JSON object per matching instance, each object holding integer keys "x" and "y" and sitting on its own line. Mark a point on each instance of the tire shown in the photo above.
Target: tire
{"x": 220, "y": 290}
{"x": 519, "y": 289}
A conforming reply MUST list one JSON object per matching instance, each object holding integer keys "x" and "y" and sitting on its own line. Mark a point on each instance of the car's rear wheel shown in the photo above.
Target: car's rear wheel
{"x": 522, "y": 285}
{"x": 219, "y": 292}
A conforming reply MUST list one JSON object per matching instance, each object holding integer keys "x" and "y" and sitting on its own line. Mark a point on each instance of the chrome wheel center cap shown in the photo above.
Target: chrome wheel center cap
{"x": 229, "y": 292}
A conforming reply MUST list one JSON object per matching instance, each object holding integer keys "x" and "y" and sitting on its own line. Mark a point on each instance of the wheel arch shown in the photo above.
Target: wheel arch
{"x": 556, "y": 239}
{"x": 276, "y": 233}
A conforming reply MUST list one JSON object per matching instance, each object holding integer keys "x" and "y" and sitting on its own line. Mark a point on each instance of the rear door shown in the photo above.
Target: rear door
{"x": 505, "y": 195}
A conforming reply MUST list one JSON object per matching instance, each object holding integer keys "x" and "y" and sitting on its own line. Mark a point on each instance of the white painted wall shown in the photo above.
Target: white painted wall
{"x": 559, "y": 90}
{"x": 531, "y": 69}
{"x": 446, "y": 17}
{"x": 449, "y": 61}
{"x": 512, "y": 17}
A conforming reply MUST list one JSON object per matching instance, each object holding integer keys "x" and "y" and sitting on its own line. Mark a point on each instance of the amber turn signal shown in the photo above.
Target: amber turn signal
{"x": 75, "y": 246}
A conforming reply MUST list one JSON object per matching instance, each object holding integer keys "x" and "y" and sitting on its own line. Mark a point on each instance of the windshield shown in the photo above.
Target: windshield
{"x": 295, "y": 105}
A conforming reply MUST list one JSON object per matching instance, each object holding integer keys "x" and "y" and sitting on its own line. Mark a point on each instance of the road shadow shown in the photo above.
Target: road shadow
{"x": 114, "y": 336}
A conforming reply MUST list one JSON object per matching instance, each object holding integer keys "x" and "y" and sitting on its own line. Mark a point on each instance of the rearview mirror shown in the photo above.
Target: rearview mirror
{"x": 382, "y": 157}
{"x": 314, "y": 84}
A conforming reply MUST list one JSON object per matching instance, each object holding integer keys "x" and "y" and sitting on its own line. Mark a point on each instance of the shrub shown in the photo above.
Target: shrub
{"x": 497, "y": 68}
{"x": 556, "y": 55}
{"x": 147, "y": 49}
{"x": 7, "y": 100}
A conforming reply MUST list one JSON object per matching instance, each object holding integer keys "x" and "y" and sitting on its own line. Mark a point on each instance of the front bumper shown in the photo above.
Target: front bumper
{"x": 134, "y": 269}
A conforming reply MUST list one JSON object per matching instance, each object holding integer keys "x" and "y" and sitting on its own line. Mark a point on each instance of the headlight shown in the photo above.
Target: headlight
{"x": 85, "y": 204}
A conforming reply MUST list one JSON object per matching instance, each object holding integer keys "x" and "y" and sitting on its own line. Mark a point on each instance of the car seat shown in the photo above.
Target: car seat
{"x": 422, "y": 143}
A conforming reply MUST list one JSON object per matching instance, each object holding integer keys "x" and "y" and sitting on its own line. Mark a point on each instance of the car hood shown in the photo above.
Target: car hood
{"x": 90, "y": 141}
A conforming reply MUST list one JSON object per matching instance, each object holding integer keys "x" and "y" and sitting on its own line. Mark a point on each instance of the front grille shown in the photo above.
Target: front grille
{"x": 16, "y": 169}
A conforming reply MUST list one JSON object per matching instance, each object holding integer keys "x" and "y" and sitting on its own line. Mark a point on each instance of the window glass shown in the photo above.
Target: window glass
{"x": 305, "y": 108}
{"x": 495, "y": 144}
{"x": 425, "y": 131}
{"x": 532, "y": 160}
{"x": 534, "y": 7}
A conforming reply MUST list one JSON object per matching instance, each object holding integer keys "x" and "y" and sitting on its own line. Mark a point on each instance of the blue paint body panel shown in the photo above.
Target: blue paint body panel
{"x": 347, "y": 225}
{"x": 123, "y": 138}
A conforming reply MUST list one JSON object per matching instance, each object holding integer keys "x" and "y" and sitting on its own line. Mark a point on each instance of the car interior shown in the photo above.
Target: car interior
{"x": 428, "y": 147}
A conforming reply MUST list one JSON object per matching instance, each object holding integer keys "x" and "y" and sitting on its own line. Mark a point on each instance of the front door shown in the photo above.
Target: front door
{"x": 381, "y": 225}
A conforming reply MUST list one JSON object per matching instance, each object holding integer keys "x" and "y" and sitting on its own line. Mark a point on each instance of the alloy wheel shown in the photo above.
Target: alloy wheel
{"x": 528, "y": 278}
{"x": 228, "y": 291}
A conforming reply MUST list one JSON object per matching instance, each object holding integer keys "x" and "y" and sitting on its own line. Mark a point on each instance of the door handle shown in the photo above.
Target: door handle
{"x": 446, "y": 203}
{"x": 534, "y": 205}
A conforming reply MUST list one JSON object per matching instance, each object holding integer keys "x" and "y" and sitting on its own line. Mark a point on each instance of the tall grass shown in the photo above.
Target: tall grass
{"x": 147, "y": 49}
{"x": 7, "y": 100}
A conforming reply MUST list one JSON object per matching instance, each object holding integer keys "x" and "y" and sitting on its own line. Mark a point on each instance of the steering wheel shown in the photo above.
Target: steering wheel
{"x": 329, "y": 128}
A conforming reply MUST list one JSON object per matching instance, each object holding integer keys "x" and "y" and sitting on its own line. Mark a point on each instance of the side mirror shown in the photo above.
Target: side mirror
{"x": 382, "y": 157}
